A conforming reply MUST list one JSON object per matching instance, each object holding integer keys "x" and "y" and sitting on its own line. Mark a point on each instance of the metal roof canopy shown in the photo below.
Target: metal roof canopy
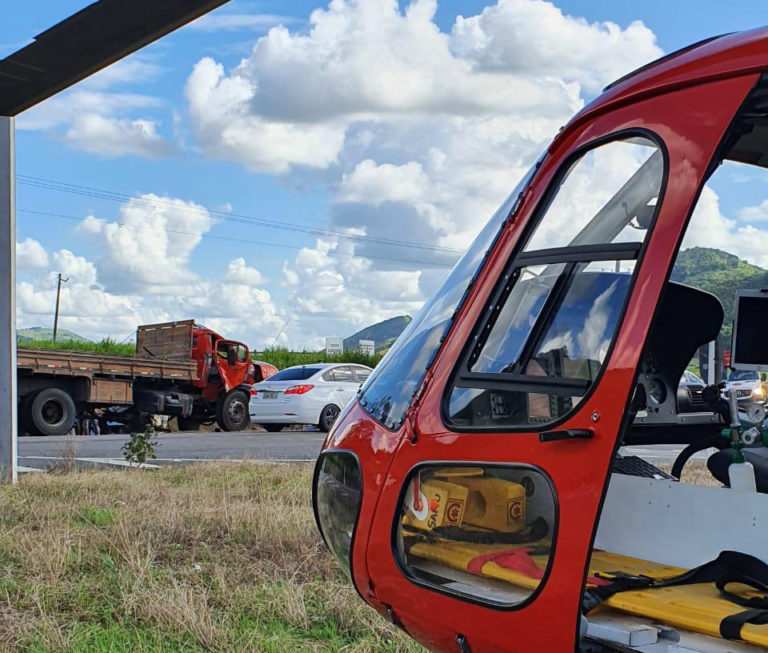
{"x": 87, "y": 41}
{"x": 98, "y": 35}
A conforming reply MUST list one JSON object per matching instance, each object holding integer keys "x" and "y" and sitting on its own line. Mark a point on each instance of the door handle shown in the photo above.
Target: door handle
{"x": 566, "y": 434}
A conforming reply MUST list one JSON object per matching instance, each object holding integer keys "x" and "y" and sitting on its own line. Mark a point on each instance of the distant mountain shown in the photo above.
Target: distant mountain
{"x": 34, "y": 334}
{"x": 720, "y": 273}
{"x": 383, "y": 334}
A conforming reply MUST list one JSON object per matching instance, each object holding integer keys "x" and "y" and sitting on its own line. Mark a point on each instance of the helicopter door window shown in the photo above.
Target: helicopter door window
{"x": 538, "y": 367}
{"x": 550, "y": 323}
{"x": 484, "y": 532}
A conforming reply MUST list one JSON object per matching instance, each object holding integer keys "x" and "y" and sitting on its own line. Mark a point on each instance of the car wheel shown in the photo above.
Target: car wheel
{"x": 272, "y": 428}
{"x": 328, "y": 416}
{"x": 232, "y": 411}
{"x": 52, "y": 412}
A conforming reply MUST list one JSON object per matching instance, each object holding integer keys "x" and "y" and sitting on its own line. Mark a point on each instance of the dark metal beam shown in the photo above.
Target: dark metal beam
{"x": 7, "y": 302}
{"x": 86, "y": 42}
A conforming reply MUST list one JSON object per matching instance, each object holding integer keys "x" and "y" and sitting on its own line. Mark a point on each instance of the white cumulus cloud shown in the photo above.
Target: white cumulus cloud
{"x": 97, "y": 118}
{"x": 113, "y": 137}
{"x": 426, "y": 131}
{"x": 535, "y": 38}
{"x": 31, "y": 255}
{"x": 150, "y": 246}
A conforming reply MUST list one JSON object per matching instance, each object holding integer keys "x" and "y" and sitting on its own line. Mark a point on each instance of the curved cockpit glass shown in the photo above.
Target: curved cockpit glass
{"x": 388, "y": 392}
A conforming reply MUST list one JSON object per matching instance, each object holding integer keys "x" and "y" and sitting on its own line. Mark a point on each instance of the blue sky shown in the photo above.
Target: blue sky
{"x": 295, "y": 154}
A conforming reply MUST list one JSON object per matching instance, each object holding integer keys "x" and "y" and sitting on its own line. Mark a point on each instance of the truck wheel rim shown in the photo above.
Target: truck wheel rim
{"x": 236, "y": 410}
{"x": 52, "y": 412}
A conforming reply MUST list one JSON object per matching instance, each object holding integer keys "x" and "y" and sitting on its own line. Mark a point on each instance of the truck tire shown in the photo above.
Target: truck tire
{"x": 25, "y": 414}
{"x": 52, "y": 412}
{"x": 188, "y": 423}
{"x": 232, "y": 411}
{"x": 328, "y": 416}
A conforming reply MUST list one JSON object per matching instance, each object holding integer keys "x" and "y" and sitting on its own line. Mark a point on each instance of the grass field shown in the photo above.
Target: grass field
{"x": 200, "y": 558}
{"x": 278, "y": 357}
{"x": 282, "y": 358}
{"x": 182, "y": 559}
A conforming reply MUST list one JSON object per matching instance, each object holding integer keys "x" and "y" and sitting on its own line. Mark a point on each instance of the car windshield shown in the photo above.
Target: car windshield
{"x": 690, "y": 377}
{"x": 295, "y": 374}
{"x": 744, "y": 375}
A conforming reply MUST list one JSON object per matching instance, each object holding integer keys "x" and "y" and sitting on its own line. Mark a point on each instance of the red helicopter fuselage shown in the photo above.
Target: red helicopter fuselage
{"x": 443, "y": 412}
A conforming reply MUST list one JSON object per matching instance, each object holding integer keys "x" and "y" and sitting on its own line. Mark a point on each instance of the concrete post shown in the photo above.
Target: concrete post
{"x": 8, "y": 443}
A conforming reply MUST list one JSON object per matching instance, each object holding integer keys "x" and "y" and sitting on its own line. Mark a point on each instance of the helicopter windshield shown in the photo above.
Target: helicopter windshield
{"x": 388, "y": 392}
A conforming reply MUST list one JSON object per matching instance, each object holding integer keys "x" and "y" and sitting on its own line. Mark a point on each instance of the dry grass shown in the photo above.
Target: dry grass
{"x": 204, "y": 558}
{"x": 695, "y": 472}
{"x": 199, "y": 558}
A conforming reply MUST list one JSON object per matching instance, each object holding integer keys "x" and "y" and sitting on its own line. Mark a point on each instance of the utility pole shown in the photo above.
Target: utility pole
{"x": 58, "y": 297}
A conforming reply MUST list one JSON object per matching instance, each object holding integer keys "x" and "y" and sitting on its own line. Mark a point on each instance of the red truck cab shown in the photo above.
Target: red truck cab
{"x": 472, "y": 492}
{"x": 225, "y": 374}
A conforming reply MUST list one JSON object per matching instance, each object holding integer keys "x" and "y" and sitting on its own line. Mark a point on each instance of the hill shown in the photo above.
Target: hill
{"x": 34, "y": 334}
{"x": 720, "y": 273}
{"x": 383, "y": 333}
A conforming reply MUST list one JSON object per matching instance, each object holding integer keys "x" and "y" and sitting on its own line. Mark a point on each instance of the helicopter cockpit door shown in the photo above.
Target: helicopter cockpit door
{"x": 485, "y": 523}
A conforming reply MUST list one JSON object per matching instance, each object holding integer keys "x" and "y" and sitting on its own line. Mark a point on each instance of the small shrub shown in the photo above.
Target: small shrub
{"x": 140, "y": 447}
{"x": 93, "y": 516}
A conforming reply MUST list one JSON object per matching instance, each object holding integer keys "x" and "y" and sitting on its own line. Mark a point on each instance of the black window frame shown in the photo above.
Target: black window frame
{"x": 462, "y": 377}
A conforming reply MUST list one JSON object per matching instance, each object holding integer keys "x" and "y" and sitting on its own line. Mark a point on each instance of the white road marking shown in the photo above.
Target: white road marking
{"x": 97, "y": 461}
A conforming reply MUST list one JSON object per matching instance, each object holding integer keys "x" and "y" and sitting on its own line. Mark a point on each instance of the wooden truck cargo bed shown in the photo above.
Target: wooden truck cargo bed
{"x": 75, "y": 363}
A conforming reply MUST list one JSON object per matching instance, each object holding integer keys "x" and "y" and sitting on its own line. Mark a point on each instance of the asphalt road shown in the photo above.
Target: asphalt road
{"x": 182, "y": 448}
{"x": 173, "y": 448}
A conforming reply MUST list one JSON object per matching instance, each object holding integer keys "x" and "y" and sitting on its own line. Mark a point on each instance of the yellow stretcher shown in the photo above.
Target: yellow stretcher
{"x": 699, "y": 608}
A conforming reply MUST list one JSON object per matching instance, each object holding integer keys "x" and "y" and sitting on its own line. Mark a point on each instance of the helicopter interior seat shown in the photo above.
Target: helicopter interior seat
{"x": 663, "y": 410}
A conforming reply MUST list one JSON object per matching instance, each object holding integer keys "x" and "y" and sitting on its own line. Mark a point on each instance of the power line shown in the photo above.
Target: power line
{"x": 334, "y": 253}
{"x": 113, "y": 196}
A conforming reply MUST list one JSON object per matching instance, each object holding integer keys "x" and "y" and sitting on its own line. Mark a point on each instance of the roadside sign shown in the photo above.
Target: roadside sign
{"x": 367, "y": 347}
{"x": 334, "y": 346}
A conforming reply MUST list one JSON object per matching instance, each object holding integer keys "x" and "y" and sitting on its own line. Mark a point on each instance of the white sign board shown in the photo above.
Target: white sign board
{"x": 367, "y": 347}
{"x": 334, "y": 346}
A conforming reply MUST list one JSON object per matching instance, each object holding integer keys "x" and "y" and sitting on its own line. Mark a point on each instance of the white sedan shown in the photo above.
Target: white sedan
{"x": 305, "y": 394}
